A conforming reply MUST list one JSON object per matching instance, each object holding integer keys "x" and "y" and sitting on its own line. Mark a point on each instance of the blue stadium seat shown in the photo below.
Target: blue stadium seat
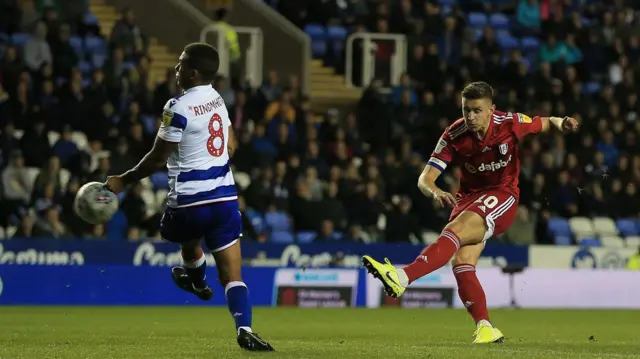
{"x": 446, "y": 9}
{"x": 338, "y": 46}
{"x": 98, "y": 60}
{"x": 318, "y": 48}
{"x": 591, "y": 88}
{"x": 559, "y": 227}
{"x": 19, "y": 39}
{"x": 90, "y": 19}
{"x": 562, "y": 241}
{"x": 315, "y": 32}
{"x": 529, "y": 43}
{"x": 447, "y": 2}
{"x": 277, "y": 221}
{"x": 306, "y": 237}
{"x": 149, "y": 123}
{"x": 499, "y": 21}
{"x": 336, "y": 32}
{"x": 477, "y": 20}
{"x": 627, "y": 227}
{"x": 506, "y": 40}
{"x": 85, "y": 67}
{"x": 4, "y": 37}
{"x": 96, "y": 45}
{"x": 282, "y": 237}
{"x": 129, "y": 65}
{"x": 256, "y": 221}
{"x": 76, "y": 43}
{"x": 116, "y": 228}
{"x": 159, "y": 180}
{"x": 477, "y": 34}
{"x": 590, "y": 242}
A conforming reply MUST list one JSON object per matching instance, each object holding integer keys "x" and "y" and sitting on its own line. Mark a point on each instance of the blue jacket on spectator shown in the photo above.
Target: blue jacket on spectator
{"x": 527, "y": 14}
{"x": 396, "y": 94}
{"x": 610, "y": 152}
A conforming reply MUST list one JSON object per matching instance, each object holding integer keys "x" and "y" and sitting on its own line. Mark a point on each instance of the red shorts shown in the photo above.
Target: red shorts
{"x": 497, "y": 207}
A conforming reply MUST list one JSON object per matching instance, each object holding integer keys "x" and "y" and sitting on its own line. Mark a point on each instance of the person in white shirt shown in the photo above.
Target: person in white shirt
{"x": 196, "y": 142}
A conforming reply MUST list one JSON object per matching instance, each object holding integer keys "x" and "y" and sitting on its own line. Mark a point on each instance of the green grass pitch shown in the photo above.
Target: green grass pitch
{"x": 200, "y": 332}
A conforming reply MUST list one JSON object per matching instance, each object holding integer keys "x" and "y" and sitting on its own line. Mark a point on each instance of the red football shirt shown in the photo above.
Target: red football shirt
{"x": 491, "y": 162}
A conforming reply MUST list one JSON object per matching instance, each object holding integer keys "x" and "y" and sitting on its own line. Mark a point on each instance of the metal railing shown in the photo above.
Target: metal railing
{"x": 398, "y": 63}
{"x": 252, "y": 55}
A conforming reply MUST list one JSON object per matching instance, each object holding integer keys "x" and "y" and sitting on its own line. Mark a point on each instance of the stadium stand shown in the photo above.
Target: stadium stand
{"x": 75, "y": 106}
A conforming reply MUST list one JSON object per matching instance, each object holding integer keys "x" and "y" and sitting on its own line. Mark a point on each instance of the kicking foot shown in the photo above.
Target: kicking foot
{"x": 387, "y": 274}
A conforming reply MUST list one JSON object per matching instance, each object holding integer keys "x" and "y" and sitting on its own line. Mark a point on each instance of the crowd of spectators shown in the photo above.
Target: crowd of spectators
{"x": 350, "y": 174}
{"x": 584, "y": 63}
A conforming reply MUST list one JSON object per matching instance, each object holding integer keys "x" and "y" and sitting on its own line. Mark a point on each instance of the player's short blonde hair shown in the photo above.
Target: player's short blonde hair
{"x": 478, "y": 90}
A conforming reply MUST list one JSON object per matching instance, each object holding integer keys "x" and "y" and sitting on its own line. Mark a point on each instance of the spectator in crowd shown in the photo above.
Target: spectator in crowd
{"x": 522, "y": 231}
{"x": 528, "y": 14}
{"x": 29, "y": 15}
{"x": 336, "y": 172}
{"x": 64, "y": 56}
{"x": 128, "y": 36}
{"x": 37, "y": 51}
{"x": 16, "y": 182}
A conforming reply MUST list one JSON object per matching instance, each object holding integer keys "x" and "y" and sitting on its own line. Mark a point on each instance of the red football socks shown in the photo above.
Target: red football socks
{"x": 471, "y": 292}
{"x": 434, "y": 256}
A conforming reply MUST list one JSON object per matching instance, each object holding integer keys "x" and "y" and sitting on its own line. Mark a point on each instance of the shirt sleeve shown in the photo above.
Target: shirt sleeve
{"x": 174, "y": 122}
{"x": 524, "y": 125}
{"x": 442, "y": 155}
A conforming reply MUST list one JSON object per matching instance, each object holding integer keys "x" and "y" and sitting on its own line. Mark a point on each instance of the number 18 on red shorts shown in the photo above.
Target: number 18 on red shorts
{"x": 497, "y": 207}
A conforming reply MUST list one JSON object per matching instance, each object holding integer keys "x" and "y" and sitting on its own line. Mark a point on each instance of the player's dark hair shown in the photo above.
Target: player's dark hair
{"x": 477, "y": 91}
{"x": 203, "y": 58}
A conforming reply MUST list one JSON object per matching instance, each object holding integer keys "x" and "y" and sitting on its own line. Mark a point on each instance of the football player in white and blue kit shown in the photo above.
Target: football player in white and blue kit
{"x": 195, "y": 141}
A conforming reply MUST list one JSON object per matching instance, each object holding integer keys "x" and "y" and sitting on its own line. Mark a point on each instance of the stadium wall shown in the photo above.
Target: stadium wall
{"x": 85, "y": 272}
{"x": 129, "y": 285}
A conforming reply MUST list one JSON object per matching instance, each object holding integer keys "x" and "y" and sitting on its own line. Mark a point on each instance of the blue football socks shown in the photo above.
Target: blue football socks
{"x": 237, "y": 295}
{"x": 197, "y": 271}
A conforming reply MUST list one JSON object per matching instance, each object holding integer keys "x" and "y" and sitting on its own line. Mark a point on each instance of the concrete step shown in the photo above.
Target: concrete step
{"x": 321, "y": 70}
{"x": 332, "y": 79}
{"x": 327, "y": 86}
{"x": 338, "y": 96}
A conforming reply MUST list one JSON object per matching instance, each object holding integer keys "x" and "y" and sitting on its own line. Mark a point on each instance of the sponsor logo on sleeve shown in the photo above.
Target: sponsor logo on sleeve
{"x": 167, "y": 115}
{"x": 522, "y": 118}
{"x": 441, "y": 145}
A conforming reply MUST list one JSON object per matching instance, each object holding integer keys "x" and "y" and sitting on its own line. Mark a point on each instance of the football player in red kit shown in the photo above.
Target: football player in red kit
{"x": 484, "y": 143}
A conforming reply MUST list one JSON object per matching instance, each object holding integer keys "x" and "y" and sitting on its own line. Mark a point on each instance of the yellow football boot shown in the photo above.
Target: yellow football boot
{"x": 487, "y": 334}
{"x": 387, "y": 274}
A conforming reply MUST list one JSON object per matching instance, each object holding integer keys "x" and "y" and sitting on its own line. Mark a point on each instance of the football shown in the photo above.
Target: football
{"x": 95, "y": 204}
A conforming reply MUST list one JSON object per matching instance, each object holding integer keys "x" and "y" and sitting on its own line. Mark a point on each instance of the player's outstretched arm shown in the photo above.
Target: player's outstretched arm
{"x": 524, "y": 125}
{"x": 563, "y": 124}
{"x": 427, "y": 185}
{"x": 151, "y": 162}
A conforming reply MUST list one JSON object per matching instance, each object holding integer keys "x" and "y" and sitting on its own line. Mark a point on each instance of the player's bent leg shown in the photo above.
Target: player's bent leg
{"x": 467, "y": 228}
{"x": 229, "y": 265}
{"x": 472, "y": 295}
{"x": 192, "y": 275}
